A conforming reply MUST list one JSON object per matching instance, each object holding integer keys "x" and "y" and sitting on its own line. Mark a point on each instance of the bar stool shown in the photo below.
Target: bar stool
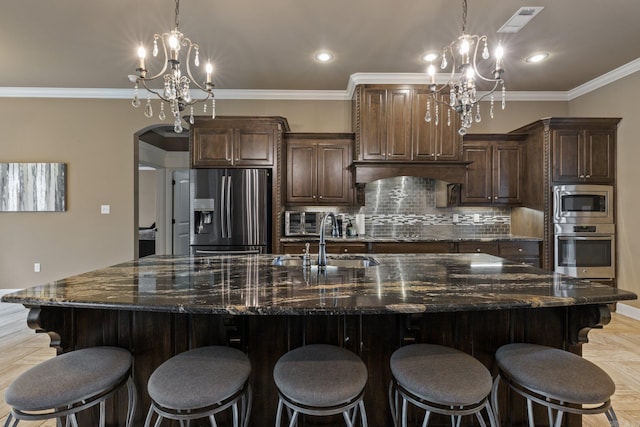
{"x": 560, "y": 380}
{"x": 320, "y": 380}
{"x": 200, "y": 383}
{"x": 67, "y": 384}
{"x": 441, "y": 380}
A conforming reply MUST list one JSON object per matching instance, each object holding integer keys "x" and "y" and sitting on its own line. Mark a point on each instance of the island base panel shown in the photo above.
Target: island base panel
{"x": 153, "y": 337}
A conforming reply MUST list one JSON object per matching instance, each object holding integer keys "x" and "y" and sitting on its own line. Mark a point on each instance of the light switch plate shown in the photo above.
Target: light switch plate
{"x": 105, "y": 209}
{"x": 36, "y": 267}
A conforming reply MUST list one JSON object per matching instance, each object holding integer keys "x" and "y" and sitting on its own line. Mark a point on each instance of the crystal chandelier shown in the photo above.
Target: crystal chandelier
{"x": 176, "y": 90}
{"x": 465, "y": 74}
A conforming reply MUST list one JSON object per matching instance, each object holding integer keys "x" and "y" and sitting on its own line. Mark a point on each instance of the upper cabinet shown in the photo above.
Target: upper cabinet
{"x": 584, "y": 155}
{"x": 235, "y": 141}
{"x": 390, "y": 126}
{"x": 437, "y": 139}
{"x": 494, "y": 175}
{"x": 318, "y": 169}
{"x": 385, "y": 126}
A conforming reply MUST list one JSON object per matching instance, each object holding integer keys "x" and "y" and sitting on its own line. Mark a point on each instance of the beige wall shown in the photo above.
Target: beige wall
{"x": 620, "y": 99}
{"x": 95, "y": 139}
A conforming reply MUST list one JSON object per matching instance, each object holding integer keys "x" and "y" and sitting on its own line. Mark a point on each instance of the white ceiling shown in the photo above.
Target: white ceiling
{"x": 269, "y": 44}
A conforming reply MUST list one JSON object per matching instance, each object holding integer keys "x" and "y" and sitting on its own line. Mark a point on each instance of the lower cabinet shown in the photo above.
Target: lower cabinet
{"x": 332, "y": 248}
{"x": 413, "y": 248}
{"x": 521, "y": 251}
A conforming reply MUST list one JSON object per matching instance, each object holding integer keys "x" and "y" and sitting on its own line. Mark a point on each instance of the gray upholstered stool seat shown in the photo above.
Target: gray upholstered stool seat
{"x": 321, "y": 379}
{"x": 200, "y": 383}
{"x": 554, "y": 378}
{"x": 438, "y": 379}
{"x": 69, "y": 383}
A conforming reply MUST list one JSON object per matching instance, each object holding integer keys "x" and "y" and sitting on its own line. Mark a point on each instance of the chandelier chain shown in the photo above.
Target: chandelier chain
{"x": 177, "y": 13}
{"x": 464, "y": 16}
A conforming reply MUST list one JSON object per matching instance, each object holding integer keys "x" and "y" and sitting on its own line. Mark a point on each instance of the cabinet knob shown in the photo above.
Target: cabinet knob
{"x": 313, "y": 197}
{"x": 520, "y": 249}
{"x": 319, "y": 197}
{"x": 478, "y": 250}
{"x": 433, "y": 154}
{"x": 438, "y": 155}
{"x": 588, "y": 176}
{"x": 581, "y": 176}
{"x": 346, "y": 250}
{"x": 488, "y": 197}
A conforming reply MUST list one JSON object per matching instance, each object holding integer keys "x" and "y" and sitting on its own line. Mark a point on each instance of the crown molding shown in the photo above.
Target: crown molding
{"x": 605, "y": 79}
{"x": 324, "y": 95}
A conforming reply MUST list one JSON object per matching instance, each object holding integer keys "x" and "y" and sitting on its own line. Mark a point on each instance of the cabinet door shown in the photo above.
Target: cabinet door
{"x": 212, "y": 147}
{"x": 477, "y": 180}
{"x": 599, "y": 156}
{"x": 399, "y": 124}
{"x": 507, "y": 168}
{"x": 301, "y": 172}
{"x": 490, "y": 248}
{"x": 567, "y": 160}
{"x": 448, "y": 141}
{"x": 334, "y": 176}
{"x": 413, "y": 248}
{"x": 253, "y": 146}
{"x": 424, "y": 133}
{"x": 373, "y": 124}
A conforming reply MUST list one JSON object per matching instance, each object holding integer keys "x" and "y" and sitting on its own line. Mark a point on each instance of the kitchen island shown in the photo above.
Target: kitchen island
{"x": 159, "y": 306}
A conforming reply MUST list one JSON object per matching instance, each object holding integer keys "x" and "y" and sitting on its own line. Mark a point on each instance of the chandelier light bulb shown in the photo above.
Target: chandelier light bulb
{"x": 499, "y": 52}
{"x": 142, "y": 53}
{"x": 464, "y": 46}
{"x": 431, "y": 70}
{"x": 209, "y": 69}
{"x": 173, "y": 42}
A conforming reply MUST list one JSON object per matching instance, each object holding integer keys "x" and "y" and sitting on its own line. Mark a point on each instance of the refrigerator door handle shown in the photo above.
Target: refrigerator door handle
{"x": 249, "y": 198}
{"x": 223, "y": 203}
{"x": 229, "y": 201}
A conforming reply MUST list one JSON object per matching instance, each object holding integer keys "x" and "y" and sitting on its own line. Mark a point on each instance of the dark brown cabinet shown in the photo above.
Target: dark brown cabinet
{"x": 234, "y": 141}
{"x": 333, "y": 247}
{"x": 439, "y": 138}
{"x": 493, "y": 176}
{"x": 412, "y": 247}
{"x": 390, "y": 126}
{"x": 584, "y": 155}
{"x": 317, "y": 170}
{"x": 520, "y": 251}
{"x": 385, "y": 127}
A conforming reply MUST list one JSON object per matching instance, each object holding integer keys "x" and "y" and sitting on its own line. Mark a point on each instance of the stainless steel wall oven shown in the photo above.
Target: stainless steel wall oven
{"x": 585, "y": 251}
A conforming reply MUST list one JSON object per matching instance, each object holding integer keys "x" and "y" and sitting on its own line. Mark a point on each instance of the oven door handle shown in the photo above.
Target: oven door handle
{"x": 584, "y": 237}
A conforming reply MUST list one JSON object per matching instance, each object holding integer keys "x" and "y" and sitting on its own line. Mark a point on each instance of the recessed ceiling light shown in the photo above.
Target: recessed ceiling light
{"x": 538, "y": 57}
{"x": 324, "y": 56}
{"x": 429, "y": 57}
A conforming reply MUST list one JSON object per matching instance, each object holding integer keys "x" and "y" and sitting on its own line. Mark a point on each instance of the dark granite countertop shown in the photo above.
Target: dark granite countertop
{"x": 422, "y": 238}
{"x": 250, "y": 284}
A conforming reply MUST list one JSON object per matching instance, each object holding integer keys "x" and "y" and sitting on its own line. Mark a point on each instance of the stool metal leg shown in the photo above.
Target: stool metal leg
{"x": 611, "y": 416}
{"x": 132, "y": 401}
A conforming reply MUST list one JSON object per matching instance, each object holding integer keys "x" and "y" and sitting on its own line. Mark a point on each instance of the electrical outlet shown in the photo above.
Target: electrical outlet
{"x": 456, "y": 218}
{"x": 36, "y": 267}
{"x": 105, "y": 209}
{"x": 476, "y": 217}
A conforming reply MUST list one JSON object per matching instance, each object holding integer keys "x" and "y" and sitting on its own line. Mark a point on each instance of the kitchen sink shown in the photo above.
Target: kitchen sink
{"x": 345, "y": 261}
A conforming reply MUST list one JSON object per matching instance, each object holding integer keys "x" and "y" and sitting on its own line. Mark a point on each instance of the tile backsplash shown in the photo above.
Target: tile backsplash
{"x": 406, "y": 206}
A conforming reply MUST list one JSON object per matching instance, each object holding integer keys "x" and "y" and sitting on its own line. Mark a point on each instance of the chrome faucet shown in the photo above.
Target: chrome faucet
{"x": 322, "y": 248}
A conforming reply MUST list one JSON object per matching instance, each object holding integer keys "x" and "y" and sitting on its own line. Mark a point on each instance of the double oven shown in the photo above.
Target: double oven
{"x": 584, "y": 231}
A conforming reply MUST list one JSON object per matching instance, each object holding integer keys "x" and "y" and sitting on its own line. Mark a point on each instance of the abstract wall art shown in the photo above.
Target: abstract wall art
{"x": 32, "y": 187}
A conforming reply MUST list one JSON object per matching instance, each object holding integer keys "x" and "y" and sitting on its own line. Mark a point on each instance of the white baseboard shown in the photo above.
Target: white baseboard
{"x": 627, "y": 310}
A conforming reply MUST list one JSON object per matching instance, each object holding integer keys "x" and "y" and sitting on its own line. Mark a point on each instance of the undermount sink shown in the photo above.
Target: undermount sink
{"x": 345, "y": 261}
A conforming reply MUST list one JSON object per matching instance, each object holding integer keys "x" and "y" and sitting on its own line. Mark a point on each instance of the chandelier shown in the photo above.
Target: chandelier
{"x": 466, "y": 71}
{"x": 176, "y": 90}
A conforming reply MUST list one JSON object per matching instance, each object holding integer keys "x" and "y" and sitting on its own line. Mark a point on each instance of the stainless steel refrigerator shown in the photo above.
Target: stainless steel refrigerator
{"x": 230, "y": 211}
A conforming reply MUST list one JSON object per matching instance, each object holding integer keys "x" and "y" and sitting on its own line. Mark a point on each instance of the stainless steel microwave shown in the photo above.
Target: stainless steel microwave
{"x": 300, "y": 223}
{"x": 583, "y": 204}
